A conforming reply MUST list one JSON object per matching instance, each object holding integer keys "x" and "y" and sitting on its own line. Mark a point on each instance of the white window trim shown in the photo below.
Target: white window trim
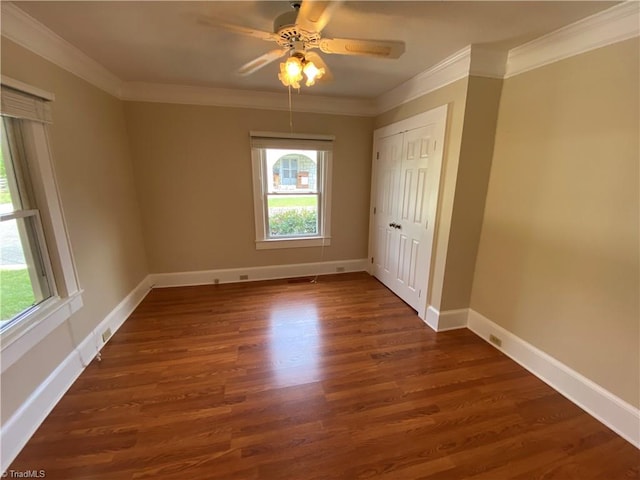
{"x": 262, "y": 241}
{"x": 38, "y": 151}
{"x": 269, "y": 244}
{"x": 36, "y": 323}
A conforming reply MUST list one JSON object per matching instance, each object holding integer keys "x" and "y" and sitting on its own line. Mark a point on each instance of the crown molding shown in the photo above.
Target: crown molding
{"x": 610, "y": 26}
{"x": 27, "y": 32}
{"x": 447, "y": 71}
{"x": 486, "y": 62}
{"x": 473, "y": 60}
{"x": 223, "y": 97}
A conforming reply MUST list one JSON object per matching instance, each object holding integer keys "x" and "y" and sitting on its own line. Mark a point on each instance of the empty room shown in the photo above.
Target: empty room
{"x": 320, "y": 239}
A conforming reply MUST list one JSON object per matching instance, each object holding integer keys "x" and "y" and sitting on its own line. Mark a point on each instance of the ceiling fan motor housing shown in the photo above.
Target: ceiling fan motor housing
{"x": 286, "y": 20}
{"x": 284, "y": 26}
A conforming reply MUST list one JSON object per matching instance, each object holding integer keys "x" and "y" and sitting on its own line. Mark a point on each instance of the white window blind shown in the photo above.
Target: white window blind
{"x": 294, "y": 141}
{"x": 22, "y": 105}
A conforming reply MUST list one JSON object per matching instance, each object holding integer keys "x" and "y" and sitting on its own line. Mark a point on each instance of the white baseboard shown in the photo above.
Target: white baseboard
{"x": 25, "y": 421}
{"x": 272, "y": 272}
{"x": 17, "y": 431}
{"x": 447, "y": 320}
{"x": 615, "y": 413}
{"x": 93, "y": 343}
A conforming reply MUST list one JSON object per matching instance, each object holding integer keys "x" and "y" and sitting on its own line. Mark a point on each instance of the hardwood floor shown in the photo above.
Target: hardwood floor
{"x": 296, "y": 380}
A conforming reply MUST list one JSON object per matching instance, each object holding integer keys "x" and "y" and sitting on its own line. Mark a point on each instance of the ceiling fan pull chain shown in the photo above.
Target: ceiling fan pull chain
{"x": 290, "y": 111}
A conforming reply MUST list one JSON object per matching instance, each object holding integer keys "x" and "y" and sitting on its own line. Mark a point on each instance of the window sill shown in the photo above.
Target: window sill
{"x": 293, "y": 243}
{"x": 20, "y": 338}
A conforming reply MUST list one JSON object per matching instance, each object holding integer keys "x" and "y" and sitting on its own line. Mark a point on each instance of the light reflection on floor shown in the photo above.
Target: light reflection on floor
{"x": 294, "y": 344}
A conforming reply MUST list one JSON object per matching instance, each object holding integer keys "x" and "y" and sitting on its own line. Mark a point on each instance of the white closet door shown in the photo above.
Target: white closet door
{"x": 405, "y": 191}
{"x": 388, "y": 160}
{"x": 411, "y": 223}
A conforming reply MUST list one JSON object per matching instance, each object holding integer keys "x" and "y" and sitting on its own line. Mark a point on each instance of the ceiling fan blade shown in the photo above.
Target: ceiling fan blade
{"x": 369, "y": 48}
{"x": 319, "y": 62}
{"x": 257, "y": 63}
{"x": 230, "y": 27}
{"x": 314, "y": 15}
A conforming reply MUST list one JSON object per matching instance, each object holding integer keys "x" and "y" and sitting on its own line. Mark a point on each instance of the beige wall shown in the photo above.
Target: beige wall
{"x": 455, "y": 96}
{"x": 476, "y": 152}
{"x": 193, "y": 175}
{"x": 558, "y": 258}
{"x": 93, "y": 169}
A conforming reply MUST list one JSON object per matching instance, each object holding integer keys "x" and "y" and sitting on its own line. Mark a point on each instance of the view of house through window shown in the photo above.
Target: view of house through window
{"x": 24, "y": 277}
{"x": 292, "y": 192}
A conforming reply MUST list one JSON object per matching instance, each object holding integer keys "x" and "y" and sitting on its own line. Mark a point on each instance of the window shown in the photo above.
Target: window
{"x": 292, "y": 189}
{"x": 26, "y": 277}
{"x": 38, "y": 282}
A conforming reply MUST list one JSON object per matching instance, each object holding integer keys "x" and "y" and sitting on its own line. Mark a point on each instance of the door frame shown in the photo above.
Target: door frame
{"x": 436, "y": 115}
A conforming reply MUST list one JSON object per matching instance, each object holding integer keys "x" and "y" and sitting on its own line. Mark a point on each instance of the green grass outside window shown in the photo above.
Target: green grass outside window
{"x": 301, "y": 201}
{"x": 16, "y": 293}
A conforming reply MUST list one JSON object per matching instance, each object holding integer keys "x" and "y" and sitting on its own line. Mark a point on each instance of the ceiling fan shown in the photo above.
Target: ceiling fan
{"x": 298, "y": 33}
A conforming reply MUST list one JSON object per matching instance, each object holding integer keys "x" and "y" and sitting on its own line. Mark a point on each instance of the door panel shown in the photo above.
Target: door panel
{"x": 413, "y": 264}
{"x": 388, "y": 251}
{"x": 419, "y": 209}
{"x": 406, "y": 194}
{"x": 400, "y": 277}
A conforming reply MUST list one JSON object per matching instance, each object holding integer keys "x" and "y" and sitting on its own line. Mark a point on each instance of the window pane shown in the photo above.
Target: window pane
{"x": 291, "y": 171}
{"x": 7, "y": 177}
{"x": 23, "y": 281}
{"x": 292, "y": 215}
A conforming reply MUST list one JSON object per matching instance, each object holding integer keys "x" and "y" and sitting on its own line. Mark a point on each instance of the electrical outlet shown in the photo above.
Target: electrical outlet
{"x": 216, "y": 281}
{"x": 244, "y": 277}
{"x": 339, "y": 269}
{"x": 106, "y": 335}
{"x": 495, "y": 340}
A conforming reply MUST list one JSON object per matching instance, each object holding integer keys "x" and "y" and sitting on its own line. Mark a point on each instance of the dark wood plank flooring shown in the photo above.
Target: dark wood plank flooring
{"x": 296, "y": 380}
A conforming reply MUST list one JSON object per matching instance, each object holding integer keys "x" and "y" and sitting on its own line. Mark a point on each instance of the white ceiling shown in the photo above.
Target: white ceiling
{"x": 163, "y": 42}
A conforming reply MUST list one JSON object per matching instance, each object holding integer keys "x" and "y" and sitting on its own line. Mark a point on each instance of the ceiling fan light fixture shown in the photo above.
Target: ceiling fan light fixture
{"x": 312, "y": 73}
{"x": 291, "y": 72}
